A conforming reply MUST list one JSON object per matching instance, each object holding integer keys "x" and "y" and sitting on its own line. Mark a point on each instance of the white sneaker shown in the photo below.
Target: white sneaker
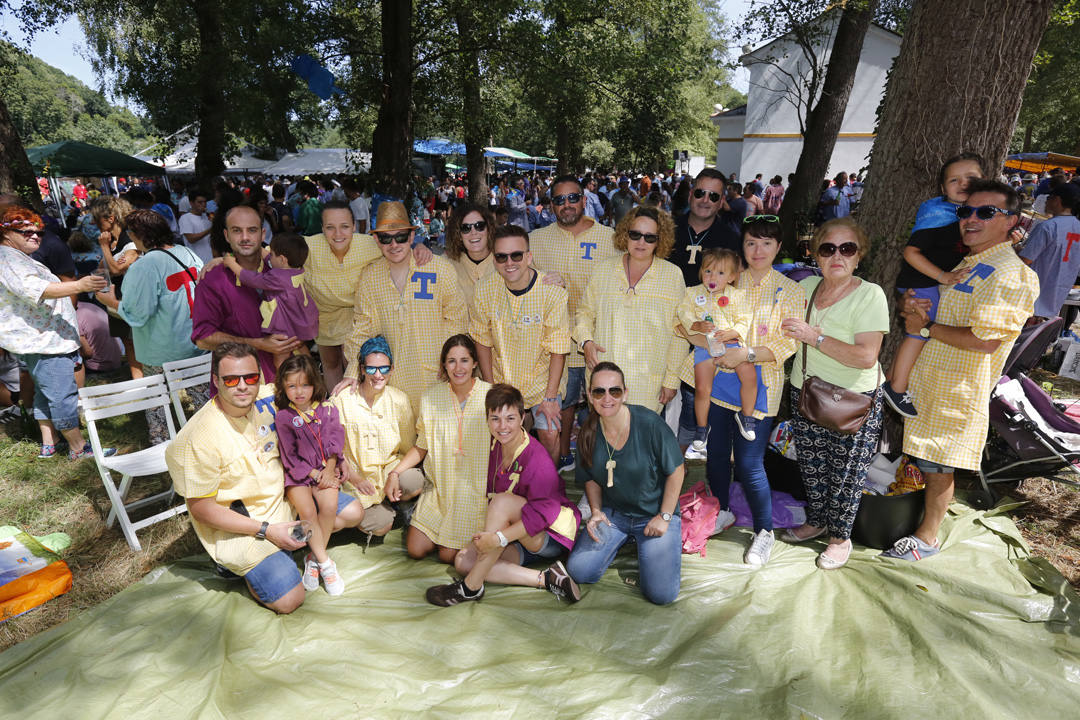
{"x": 696, "y": 451}
{"x": 310, "y": 580}
{"x": 760, "y": 549}
{"x": 724, "y": 520}
{"x": 331, "y": 579}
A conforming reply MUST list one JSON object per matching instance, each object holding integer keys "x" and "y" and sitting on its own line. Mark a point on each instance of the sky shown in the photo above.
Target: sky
{"x": 64, "y": 46}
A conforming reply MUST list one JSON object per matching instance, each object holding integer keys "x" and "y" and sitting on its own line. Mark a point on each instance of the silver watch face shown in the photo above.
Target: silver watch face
{"x": 666, "y": 517}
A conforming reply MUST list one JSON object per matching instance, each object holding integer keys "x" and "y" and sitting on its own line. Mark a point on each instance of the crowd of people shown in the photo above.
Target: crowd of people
{"x": 448, "y": 385}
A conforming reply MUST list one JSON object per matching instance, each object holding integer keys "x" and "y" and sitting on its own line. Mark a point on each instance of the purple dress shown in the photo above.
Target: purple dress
{"x": 286, "y": 308}
{"x": 304, "y": 446}
{"x": 532, "y": 475}
{"x": 223, "y": 306}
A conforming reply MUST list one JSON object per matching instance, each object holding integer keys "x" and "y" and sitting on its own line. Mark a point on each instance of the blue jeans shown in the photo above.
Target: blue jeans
{"x": 659, "y": 558}
{"x": 273, "y": 577}
{"x": 749, "y": 463}
{"x": 56, "y": 396}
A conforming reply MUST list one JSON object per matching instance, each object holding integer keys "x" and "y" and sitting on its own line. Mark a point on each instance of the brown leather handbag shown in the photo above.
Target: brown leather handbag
{"x": 831, "y": 406}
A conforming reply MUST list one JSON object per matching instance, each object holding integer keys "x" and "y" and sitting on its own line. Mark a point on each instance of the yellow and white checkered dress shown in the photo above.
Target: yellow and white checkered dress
{"x": 470, "y": 273}
{"x": 523, "y": 331}
{"x": 331, "y": 283}
{"x": 951, "y": 387}
{"x": 457, "y": 440}
{"x": 732, "y": 314}
{"x": 376, "y": 436}
{"x": 415, "y": 320}
{"x": 574, "y": 257}
{"x": 769, "y": 303}
{"x": 635, "y": 326}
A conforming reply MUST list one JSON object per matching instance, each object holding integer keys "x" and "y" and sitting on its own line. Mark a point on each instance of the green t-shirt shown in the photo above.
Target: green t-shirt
{"x": 865, "y": 309}
{"x": 642, "y": 466}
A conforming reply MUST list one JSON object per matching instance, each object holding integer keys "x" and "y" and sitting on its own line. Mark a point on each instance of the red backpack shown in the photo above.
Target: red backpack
{"x": 699, "y": 510}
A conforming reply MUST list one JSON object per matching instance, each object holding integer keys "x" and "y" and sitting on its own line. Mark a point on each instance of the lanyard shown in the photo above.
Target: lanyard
{"x": 314, "y": 426}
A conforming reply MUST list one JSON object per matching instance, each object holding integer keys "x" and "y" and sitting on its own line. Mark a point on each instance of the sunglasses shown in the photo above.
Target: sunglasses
{"x": 400, "y": 238}
{"x": 381, "y": 369}
{"x": 650, "y": 238}
{"x": 516, "y": 256}
{"x": 762, "y": 218}
{"x": 713, "y": 196}
{"x": 829, "y": 249}
{"x": 599, "y": 392}
{"x": 234, "y": 380}
{"x": 572, "y": 198}
{"x": 478, "y": 226}
{"x": 983, "y": 212}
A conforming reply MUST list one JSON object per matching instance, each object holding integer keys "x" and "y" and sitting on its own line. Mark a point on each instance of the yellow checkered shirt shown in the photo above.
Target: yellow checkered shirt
{"x": 332, "y": 283}
{"x": 470, "y": 273}
{"x": 377, "y": 436}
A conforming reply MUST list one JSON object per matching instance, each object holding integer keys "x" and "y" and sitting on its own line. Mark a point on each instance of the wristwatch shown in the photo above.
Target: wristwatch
{"x": 503, "y": 542}
{"x": 925, "y": 330}
{"x": 261, "y": 535}
{"x": 751, "y": 356}
{"x": 666, "y": 517}
{"x": 820, "y": 339}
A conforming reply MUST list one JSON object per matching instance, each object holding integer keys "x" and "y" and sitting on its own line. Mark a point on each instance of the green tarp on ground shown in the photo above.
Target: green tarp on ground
{"x": 980, "y": 631}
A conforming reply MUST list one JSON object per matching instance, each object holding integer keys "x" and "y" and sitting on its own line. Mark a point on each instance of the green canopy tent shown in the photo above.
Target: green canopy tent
{"x": 71, "y": 158}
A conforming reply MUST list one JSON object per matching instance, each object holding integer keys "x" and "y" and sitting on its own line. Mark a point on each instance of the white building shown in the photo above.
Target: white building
{"x": 763, "y": 136}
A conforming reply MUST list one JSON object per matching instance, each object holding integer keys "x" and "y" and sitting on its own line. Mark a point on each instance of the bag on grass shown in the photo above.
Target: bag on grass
{"x": 699, "y": 510}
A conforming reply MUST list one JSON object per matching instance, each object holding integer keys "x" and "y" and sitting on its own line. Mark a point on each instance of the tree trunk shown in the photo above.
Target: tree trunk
{"x": 1027, "y": 137}
{"x": 210, "y": 153}
{"x": 825, "y": 118}
{"x": 16, "y": 175}
{"x": 472, "y": 113}
{"x": 562, "y": 144}
{"x": 392, "y": 140}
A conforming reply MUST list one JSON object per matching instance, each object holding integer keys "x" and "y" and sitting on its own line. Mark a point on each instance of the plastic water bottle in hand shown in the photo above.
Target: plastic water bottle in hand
{"x": 102, "y": 271}
{"x": 716, "y": 346}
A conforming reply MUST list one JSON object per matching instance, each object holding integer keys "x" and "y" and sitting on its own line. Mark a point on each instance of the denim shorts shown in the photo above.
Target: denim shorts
{"x": 540, "y": 422}
{"x": 575, "y": 387}
{"x": 932, "y": 467}
{"x": 56, "y": 397}
{"x": 273, "y": 577}
{"x": 549, "y": 550}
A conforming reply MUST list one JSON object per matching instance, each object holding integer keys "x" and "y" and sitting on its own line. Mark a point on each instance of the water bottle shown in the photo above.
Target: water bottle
{"x": 102, "y": 271}
{"x": 715, "y": 346}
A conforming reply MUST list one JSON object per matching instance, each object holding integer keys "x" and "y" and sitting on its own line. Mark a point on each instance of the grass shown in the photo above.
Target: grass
{"x": 45, "y": 496}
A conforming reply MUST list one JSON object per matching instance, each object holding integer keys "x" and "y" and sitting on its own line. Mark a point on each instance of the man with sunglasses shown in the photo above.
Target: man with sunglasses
{"x": 571, "y": 247}
{"x": 224, "y": 462}
{"x": 704, "y": 226}
{"x": 415, "y": 308}
{"x": 977, "y": 322}
{"x": 522, "y": 333}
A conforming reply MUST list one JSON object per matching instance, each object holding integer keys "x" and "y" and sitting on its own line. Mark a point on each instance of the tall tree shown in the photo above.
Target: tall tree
{"x": 924, "y": 120}
{"x": 16, "y": 175}
{"x": 474, "y": 133}
{"x": 392, "y": 140}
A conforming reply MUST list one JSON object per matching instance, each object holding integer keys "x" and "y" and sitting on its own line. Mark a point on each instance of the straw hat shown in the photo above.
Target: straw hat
{"x": 392, "y": 217}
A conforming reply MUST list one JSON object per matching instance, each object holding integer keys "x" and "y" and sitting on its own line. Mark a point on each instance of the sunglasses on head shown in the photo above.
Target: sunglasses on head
{"x": 478, "y": 226}
{"x": 516, "y": 256}
{"x": 762, "y": 218}
{"x": 647, "y": 237}
{"x": 234, "y": 380}
{"x": 599, "y": 392}
{"x": 846, "y": 249}
{"x": 713, "y": 196}
{"x": 983, "y": 212}
{"x": 572, "y": 198}
{"x": 381, "y": 369}
{"x": 399, "y": 238}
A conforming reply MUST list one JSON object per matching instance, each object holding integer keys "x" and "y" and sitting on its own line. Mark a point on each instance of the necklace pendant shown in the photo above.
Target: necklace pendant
{"x": 610, "y": 465}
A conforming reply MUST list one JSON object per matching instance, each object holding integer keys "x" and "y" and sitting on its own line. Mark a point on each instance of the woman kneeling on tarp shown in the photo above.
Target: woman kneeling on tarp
{"x": 529, "y": 517}
{"x": 632, "y": 469}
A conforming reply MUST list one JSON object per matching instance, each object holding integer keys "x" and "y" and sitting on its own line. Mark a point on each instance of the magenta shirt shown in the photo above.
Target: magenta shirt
{"x": 539, "y": 483}
{"x": 303, "y": 446}
{"x": 223, "y": 306}
{"x": 295, "y": 314}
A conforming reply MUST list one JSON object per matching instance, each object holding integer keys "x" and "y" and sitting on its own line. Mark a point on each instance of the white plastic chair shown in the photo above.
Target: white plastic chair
{"x": 181, "y": 374}
{"x": 124, "y": 398}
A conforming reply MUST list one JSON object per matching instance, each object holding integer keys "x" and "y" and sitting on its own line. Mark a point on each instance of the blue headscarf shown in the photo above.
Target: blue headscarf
{"x": 935, "y": 212}
{"x": 376, "y": 344}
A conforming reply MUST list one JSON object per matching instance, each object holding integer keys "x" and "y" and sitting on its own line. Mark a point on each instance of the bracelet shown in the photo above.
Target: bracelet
{"x": 503, "y": 542}
{"x": 552, "y": 399}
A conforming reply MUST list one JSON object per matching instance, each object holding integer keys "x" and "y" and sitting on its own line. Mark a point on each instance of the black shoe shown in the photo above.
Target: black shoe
{"x": 900, "y": 402}
{"x": 559, "y": 583}
{"x": 452, "y": 594}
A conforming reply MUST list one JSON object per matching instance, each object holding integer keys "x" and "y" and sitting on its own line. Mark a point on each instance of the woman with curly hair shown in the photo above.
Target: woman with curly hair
{"x": 109, "y": 215}
{"x": 470, "y": 236}
{"x": 628, "y": 312}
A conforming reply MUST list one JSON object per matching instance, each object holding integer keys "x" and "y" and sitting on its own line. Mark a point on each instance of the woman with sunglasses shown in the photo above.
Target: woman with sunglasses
{"x": 629, "y": 308}
{"x": 632, "y": 470}
{"x": 452, "y": 440}
{"x": 470, "y": 232}
{"x": 848, "y": 317}
{"x": 38, "y": 324}
{"x": 380, "y": 427}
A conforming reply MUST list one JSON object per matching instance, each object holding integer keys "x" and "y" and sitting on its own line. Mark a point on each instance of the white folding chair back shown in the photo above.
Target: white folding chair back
{"x": 181, "y": 374}
{"x": 105, "y": 401}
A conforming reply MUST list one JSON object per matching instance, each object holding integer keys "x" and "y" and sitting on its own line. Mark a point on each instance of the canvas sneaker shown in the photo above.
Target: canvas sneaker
{"x": 724, "y": 520}
{"x": 88, "y": 452}
{"x": 452, "y": 594}
{"x": 911, "y": 548}
{"x": 760, "y": 549}
{"x": 566, "y": 463}
{"x": 747, "y": 426}
{"x": 696, "y": 451}
{"x": 331, "y": 578}
{"x": 900, "y": 402}
{"x": 310, "y": 579}
{"x": 559, "y": 583}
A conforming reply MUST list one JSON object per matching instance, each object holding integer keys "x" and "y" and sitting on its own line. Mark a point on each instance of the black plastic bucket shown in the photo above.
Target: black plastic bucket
{"x": 884, "y": 519}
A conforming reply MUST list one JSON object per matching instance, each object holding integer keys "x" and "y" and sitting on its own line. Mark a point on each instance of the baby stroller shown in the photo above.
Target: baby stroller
{"x": 1030, "y": 436}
